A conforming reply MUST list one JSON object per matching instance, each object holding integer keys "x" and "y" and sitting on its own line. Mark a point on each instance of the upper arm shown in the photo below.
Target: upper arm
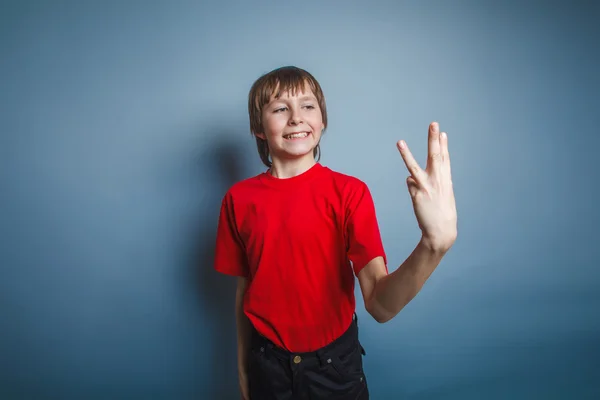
{"x": 230, "y": 253}
{"x": 365, "y": 247}
{"x": 364, "y": 244}
{"x": 242, "y": 284}
{"x": 368, "y": 278}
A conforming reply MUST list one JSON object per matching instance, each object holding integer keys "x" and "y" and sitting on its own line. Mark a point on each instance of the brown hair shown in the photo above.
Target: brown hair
{"x": 274, "y": 83}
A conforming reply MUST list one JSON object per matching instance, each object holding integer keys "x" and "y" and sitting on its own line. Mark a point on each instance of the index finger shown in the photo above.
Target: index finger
{"x": 410, "y": 162}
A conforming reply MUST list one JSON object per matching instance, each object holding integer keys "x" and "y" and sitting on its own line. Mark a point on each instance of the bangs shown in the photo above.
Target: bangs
{"x": 280, "y": 81}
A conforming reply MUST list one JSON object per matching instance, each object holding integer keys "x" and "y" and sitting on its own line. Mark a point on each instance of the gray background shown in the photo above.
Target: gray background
{"x": 123, "y": 123}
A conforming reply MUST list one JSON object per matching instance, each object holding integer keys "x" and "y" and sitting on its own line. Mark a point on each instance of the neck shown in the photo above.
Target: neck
{"x": 283, "y": 169}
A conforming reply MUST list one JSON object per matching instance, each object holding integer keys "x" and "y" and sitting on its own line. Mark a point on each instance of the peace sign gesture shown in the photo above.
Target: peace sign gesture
{"x": 431, "y": 191}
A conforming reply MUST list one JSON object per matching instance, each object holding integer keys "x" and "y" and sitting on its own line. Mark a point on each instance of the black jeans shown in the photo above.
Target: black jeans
{"x": 334, "y": 372}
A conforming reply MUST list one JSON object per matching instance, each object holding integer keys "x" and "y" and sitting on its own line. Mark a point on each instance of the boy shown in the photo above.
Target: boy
{"x": 298, "y": 234}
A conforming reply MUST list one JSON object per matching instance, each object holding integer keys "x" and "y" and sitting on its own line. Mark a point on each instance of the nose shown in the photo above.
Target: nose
{"x": 295, "y": 117}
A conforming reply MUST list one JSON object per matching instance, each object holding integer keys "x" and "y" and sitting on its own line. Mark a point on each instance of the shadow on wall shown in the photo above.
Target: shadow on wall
{"x": 223, "y": 163}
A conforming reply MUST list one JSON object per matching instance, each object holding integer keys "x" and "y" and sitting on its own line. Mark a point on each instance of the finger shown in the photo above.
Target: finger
{"x": 413, "y": 187}
{"x": 445, "y": 154}
{"x": 411, "y": 164}
{"x": 434, "y": 149}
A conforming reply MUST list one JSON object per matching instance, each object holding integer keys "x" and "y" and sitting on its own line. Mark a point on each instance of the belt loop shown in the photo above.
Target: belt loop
{"x": 324, "y": 359}
{"x": 264, "y": 344}
{"x": 268, "y": 349}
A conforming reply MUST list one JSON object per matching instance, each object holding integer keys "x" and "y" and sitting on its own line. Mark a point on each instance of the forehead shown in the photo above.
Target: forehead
{"x": 299, "y": 89}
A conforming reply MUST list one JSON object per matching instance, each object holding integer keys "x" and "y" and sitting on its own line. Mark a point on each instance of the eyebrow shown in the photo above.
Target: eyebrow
{"x": 303, "y": 98}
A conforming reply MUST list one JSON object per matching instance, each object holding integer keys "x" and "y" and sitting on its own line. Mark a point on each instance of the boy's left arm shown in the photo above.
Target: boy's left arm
{"x": 435, "y": 209}
{"x": 385, "y": 295}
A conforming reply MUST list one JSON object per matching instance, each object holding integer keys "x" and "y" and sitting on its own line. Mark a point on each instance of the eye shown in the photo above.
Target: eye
{"x": 309, "y": 106}
{"x": 280, "y": 109}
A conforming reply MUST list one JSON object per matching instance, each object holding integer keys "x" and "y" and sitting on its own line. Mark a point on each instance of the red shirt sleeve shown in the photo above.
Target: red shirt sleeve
{"x": 230, "y": 256}
{"x": 362, "y": 229}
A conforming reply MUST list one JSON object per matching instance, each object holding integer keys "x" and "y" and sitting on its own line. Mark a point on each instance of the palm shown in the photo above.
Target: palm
{"x": 431, "y": 190}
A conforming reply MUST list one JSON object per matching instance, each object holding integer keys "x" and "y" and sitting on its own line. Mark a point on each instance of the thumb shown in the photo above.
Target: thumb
{"x": 412, "y": 186}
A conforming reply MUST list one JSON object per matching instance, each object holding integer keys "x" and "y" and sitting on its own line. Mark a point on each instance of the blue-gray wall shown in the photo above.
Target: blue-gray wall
{"x": 124, "y": 122}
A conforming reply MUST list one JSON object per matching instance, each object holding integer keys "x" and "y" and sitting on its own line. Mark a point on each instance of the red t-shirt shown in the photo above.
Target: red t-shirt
{"x": 299, "y": 241}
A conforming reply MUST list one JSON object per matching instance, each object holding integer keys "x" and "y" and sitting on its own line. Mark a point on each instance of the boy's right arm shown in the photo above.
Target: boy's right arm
{"x": 243, "y": 336}
{"x": 230, "y": 259}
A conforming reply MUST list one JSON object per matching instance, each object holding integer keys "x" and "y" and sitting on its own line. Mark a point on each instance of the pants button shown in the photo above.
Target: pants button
{"x": 297, "y": 359}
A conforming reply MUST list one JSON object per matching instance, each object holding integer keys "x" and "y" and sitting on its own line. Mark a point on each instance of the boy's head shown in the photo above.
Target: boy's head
{"x": 287, "y": 114}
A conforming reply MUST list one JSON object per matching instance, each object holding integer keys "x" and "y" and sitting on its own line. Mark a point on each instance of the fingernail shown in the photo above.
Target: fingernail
{"x": 444, "y": 135}
{"x": 402, "y": 144}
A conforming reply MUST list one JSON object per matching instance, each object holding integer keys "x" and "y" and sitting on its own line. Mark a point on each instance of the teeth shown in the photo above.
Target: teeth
{"x": 297, "y": 135}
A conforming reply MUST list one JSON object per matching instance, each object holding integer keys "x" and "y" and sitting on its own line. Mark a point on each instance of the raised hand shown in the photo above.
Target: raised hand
{"x": 431, "y": 191}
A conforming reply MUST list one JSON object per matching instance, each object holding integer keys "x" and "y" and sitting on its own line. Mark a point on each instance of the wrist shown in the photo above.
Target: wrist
{"x": 434, "y": 247}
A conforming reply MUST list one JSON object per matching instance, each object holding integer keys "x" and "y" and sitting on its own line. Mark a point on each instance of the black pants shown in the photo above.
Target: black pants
{"x": 334, "y": 372}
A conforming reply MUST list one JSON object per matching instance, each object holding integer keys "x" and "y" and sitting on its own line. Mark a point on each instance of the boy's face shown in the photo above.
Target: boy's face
{"x": 292, "y": 124}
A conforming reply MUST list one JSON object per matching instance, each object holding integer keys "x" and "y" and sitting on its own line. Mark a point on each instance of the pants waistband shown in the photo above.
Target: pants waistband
{"x": 347, "y": 341}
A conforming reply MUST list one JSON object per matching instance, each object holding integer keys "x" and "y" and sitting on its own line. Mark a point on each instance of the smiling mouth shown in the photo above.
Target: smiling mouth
{"x": 299, "y": 135}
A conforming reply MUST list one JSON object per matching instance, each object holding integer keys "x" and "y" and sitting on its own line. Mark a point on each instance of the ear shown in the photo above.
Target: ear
{"x": 261, "y": 135}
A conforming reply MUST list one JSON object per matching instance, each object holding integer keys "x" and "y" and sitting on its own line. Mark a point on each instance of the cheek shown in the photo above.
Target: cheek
{"x": 317, "y": 125}
{"x": 317, "y": 136}
{"x": 273, "y": 126}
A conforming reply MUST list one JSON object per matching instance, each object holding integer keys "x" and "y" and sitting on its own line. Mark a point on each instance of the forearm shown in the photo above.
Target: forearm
{"x": 243, "y": 328}
{"x": 394, "y": 291}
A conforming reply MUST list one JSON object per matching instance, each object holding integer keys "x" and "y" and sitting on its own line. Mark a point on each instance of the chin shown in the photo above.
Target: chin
{"x": 297, "y": 154}
{"x": 301, "y": 152}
